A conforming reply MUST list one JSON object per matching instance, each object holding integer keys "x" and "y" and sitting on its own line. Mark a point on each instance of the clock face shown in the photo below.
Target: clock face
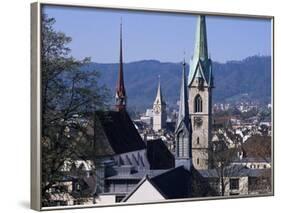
{"x": 198, "y": 121}
{"x": 157, "y": 108}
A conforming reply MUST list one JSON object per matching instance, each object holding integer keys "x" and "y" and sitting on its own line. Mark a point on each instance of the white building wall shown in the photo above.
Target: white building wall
{"x": 105, "y": 199}
{"x": 145, "y": 193}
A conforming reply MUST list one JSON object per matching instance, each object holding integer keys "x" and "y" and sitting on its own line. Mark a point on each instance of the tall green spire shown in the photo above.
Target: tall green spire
{"x": 201, "y": 64}
{"x": 201, "y": 46}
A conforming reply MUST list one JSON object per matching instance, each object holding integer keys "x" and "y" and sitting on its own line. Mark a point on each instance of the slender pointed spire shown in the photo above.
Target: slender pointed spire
{"x": 159, "y": 109}
{"x": 183, "y": 107}
{"x": 201, "y": 46}
{"x": 201, "y": 64}
{"x": 120, "y": 88}
{"x": 183, "y": 131}
{"x": 159, "y": 91}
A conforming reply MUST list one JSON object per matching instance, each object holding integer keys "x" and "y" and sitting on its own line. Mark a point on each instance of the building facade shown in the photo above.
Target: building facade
{"x": 200, "y": 83}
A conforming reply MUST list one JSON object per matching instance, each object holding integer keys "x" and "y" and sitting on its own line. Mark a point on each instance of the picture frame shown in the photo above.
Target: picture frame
{"x": 180, "y": 164}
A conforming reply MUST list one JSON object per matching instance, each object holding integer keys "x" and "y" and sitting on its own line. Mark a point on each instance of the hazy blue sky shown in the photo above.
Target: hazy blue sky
{"x": 160, "y": 36}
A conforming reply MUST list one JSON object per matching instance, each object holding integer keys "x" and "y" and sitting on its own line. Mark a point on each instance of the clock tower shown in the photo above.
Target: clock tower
{"x": 159, "y": 110}
{"x": 200, "y": 84}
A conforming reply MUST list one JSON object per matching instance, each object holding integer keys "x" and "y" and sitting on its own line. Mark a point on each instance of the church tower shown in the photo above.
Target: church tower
{"x": 200, "y": 83}
{"x": 120, "y": 96}
{"x": 183, "y": 131}
{"x": 159, "y": 110}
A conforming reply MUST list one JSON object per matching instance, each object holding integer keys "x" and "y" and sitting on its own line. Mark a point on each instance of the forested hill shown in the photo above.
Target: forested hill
{"x": 249, "y": 78}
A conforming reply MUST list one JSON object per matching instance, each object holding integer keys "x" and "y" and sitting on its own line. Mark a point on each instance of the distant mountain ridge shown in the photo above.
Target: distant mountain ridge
{"x": 250, "y": 78}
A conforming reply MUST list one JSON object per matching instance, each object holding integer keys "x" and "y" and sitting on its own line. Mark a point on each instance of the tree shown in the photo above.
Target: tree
{"x": 222, "y": 156}
{"x": 70, "y": 94}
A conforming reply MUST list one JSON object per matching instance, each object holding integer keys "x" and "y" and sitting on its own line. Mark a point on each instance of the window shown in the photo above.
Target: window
{"x": 197, "y": 140}
{"x": 182, "y": 149}
{"x": 234, "y": 184}
{"x": 198, "y": 104}
{"x": 197, "y": 161}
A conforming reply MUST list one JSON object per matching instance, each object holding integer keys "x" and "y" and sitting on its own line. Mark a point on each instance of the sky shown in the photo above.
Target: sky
{"x": 159, "y": 36}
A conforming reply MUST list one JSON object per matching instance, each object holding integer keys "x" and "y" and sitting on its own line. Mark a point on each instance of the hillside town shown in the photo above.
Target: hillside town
{"x": 197, "y": 150}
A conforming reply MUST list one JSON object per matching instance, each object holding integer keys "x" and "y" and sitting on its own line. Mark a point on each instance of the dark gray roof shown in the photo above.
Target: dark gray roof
{"x": 158, "y": 155}
{"x": 173, "y": 184}
{"x": 120, "y": 131}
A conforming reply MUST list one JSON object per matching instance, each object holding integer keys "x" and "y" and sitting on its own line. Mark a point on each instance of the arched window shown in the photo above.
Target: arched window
{"x": 182, "y": 145}
{"x": 198, "y": 104}
{"x": 198, "y": 140}
{"x": 197, "y": 161}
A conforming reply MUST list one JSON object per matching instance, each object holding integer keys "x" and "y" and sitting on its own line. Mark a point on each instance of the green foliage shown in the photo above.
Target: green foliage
{"x": 69, "y": 96}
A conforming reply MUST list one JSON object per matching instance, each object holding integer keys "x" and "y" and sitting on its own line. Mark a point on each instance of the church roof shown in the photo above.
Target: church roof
{"x": 174, "y": 184}
{"x": 200, "y": 64}
{"x": 120, "y": 131}
{"x": 158, "y": 155}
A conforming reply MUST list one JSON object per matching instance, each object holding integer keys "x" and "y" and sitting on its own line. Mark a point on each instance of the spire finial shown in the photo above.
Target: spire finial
{"x": 183, "y": 58}
{"x": 159, "y": 85}
{"x": 121, "y": 29}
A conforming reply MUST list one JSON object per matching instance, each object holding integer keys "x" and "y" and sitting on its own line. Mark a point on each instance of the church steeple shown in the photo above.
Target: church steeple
{"x": 183, "y": 130}
{"x": 200, "y": 84}
{"x": 120, "y": 96}
{"x": 201, "y": 46}
{"x": 183, "y": 115}
{"x": 159, "y": 110}
{"x": 201, "y": 64}
{"x": 159, "y": 96}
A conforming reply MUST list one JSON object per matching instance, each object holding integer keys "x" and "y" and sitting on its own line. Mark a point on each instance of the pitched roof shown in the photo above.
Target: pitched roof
{"x": 120, "y": 131}
{"x": 173, "y": 184}
{"x": 158, "y": 155}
